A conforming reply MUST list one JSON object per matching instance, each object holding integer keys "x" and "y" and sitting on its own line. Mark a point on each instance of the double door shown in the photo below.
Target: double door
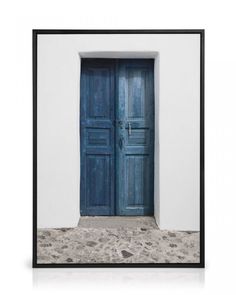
{"x": 117, "y": 137}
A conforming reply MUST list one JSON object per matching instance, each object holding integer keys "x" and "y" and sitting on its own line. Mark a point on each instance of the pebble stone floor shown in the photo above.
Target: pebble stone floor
{"x": 117, "y": 240}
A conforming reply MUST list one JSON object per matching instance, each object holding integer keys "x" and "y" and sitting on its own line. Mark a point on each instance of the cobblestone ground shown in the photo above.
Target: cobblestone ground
{"x": 97, "y": 240}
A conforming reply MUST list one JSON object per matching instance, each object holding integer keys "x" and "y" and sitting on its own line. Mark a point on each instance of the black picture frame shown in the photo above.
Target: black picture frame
{"x": 201, "y": 264}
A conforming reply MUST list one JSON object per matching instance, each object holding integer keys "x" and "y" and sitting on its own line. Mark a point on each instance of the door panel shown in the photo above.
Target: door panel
{"x": 135, "y": 135}
{"x": 97, "y": 137}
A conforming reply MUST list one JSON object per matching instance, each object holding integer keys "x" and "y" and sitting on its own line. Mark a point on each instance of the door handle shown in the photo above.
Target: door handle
{"x": 130, "y": 129}
{"x": 121, "y": 143}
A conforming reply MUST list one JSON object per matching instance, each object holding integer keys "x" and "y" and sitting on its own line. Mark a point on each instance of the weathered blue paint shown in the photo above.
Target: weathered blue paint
{"x": 135, "y": 158}
{"x": 117, "y": 134}
{"x": 97, "y": 137}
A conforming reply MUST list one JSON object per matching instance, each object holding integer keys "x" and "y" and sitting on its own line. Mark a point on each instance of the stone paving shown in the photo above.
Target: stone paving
{"x": 117, "y": 240}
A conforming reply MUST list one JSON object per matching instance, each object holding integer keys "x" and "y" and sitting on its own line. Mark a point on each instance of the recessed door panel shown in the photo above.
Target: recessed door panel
{"x": 98, "y": 179}
{"x": 99, "y": 93}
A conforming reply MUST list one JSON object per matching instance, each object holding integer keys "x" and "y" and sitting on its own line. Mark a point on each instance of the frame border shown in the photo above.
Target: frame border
{"x": 201, "y": 264}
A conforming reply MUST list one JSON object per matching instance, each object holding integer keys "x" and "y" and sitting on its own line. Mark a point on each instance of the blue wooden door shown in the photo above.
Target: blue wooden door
{"x": 97, "y": 133}
{"x": 117, "y": 137}
{"x": 135, "y": 137}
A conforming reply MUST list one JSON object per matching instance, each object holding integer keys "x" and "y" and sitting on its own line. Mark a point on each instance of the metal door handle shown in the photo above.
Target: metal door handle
{"x": 130, "y": 129}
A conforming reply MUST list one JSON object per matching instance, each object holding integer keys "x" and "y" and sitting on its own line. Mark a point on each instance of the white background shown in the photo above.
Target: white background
{"x": 17, "y": 19}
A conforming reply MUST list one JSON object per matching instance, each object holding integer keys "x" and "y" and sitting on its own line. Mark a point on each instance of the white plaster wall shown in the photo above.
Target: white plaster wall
{"x": 178, "y": 87}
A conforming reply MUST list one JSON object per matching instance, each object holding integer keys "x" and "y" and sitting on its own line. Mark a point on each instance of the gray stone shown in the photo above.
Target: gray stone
{"x": 46, "y": 245}
{"x": 63, "y": 229}
{"x": 172, "y": 245}
{"x": 172, "y": 235}
{"x": 91, "y": 243}
{"x": 55, "y": 256}
{"x": 126, "y": 254}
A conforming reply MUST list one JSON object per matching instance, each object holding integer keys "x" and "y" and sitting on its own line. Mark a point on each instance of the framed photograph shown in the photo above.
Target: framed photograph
{"x": 118, "y": 148}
